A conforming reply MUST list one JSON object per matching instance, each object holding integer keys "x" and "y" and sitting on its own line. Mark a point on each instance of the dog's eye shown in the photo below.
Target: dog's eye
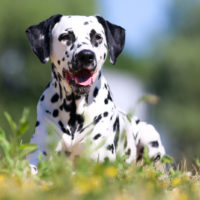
{"x": 66, "y": 36}
{"x": 98, "y": 37}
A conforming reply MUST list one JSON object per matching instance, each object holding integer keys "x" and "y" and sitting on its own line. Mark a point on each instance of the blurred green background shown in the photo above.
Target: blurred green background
{"x": 171, "y": 69}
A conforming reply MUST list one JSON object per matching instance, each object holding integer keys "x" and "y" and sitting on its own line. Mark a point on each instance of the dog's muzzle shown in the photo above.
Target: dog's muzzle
{"x": 83, "y": 72}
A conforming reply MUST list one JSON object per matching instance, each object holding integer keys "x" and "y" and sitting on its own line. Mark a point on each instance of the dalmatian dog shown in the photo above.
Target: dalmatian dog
{"x": 77, "y": 102}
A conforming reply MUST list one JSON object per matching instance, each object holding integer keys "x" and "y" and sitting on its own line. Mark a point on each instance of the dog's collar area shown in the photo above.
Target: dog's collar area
{"x": 82, "y": 77}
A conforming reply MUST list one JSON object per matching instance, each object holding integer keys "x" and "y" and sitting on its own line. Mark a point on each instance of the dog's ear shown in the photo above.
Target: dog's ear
{"x": 115, "y": 36}
{"x": 39, "y": 37}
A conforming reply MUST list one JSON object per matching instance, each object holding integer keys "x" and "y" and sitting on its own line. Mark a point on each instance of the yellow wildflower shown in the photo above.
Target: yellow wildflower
{"x": 176, "y": 181}
{"x": 111, "y": 172}
{"x": 179, "y": 195}
{"x": 85, "y": 185}
{"x": 2, "y": 178}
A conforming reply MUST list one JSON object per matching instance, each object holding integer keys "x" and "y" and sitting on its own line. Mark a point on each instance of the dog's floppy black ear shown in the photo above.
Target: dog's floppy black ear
{"x": 39, "y": 37}
{"x": 115, "y": 36}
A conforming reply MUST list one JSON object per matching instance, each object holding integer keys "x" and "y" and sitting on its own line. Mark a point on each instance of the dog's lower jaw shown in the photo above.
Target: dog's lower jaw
{"x": 79, "y": 90}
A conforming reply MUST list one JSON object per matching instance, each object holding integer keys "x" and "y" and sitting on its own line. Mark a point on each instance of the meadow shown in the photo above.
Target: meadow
{"x": 59, "y": 178}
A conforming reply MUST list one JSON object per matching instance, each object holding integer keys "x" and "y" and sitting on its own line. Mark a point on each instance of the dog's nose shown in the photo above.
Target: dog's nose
{"x": 85, "y": 57}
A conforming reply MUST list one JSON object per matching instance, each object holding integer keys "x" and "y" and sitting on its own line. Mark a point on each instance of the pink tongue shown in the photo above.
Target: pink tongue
{"x": 85, "y": 81}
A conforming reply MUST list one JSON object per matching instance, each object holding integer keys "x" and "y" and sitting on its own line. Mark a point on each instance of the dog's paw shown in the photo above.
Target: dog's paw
{"x": 34, "y": 169}
{"x": 150, "y": 138}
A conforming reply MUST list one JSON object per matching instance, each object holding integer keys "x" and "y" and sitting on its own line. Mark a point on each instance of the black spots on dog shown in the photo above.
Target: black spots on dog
{"x": 99, "y": 75}
{"x": 109, "y": 96}
{"x": 110, "y": 147}
{"x": 68, "y": 43}
{"x": 78, "y": 46}
{"x": 55, "y": 84}
{"x": 54, "y": 98}
{"x": 81, "y": 130}
{"x": 58, "y": 62}
{"x": 75, "y": 118}
{"x": 75, "y": 121}
{"x": 106, "y": 100}
{"x": 125, "y": 143}
{"x": 61, "y": 107}
{"x": 71, "y": 48}
{"x": 140, "y": 153}
{"x": 92, "y": 34}
{"x": 59, "y": 77}
{"x": 85, "y": 23}
{"x": 116, "y": 139}
{"x": 60, "y": 123}
{"x": 137, "y": 121}
{"x": 84, "y": 43}
{"x": 63, "y": 59}
{"x": 154, "y": 144}
{"x": 60, "y": 89}
{"x": 53, "y": 67}
{"x": 42, "y": 98}
{"x": 64, "y": 130}
{"x": 96, "y": 90}
{"x": 69, "y": 97}
{"x": 104, "y": 56}
{"x": 37, "y": 123}
{"x": 67, "y": 54}
{"x": 67, "y": 153}
{"x": 65, "y": 106}
{"x": 98, "y": 135}
{"x": 47, "y": 111}
{"x": 128, "y": 152}
{"x": 55, "y": 113}
{"x": 54, "y": 73}
{"x": 97, "y": 119}
{"x": 116, "y": 125}
{"x": 105, "y": 114}
{"x": 111, "y": 117}
{"x": 87, "y": 98}
{"x": 136, "y": 135}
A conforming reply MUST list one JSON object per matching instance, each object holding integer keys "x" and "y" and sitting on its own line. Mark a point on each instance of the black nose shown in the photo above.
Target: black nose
{"x": 85, "y": 57}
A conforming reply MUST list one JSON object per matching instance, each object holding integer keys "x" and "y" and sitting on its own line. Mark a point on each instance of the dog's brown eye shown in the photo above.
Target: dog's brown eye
{"x": 64, "y": 36}
{"x": 98, "y": 37}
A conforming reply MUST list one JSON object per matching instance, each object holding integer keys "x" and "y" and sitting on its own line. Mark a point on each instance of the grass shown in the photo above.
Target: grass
{"x": 59, "y": 178}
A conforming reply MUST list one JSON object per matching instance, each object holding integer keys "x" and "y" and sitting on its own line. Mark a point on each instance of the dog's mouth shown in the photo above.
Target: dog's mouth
{"x": 83, "y": 77}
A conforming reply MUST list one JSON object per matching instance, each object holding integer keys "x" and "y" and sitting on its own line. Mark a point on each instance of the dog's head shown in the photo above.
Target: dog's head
{"x": 77, "y": 46}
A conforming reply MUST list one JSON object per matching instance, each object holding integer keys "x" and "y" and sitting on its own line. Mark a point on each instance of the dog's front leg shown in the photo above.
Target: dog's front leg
{"x": 40, "y": 138}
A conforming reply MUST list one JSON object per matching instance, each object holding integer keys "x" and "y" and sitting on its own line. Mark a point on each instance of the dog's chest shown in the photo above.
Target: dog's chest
{"x": 78, "y": 115}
